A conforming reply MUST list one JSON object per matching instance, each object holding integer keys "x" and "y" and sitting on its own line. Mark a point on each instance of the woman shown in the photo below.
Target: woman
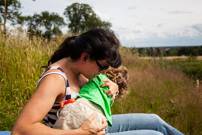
{"x": 87, "y": 55}
{"x": 78, "y": 58}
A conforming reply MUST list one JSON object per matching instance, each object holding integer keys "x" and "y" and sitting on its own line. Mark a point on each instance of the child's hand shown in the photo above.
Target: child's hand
{"x": 113, "y": 88}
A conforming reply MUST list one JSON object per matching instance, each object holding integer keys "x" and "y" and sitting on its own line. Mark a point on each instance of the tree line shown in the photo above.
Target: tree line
{"x": 179, "y": 51}
{"x": 80, "y": 18}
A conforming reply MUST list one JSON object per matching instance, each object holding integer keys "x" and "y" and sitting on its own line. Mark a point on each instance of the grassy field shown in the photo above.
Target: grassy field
{"x": 156, "y": 86}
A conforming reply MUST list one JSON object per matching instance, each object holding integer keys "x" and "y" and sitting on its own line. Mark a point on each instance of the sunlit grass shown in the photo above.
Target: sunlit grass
{"x": 163, "y": 90}
{"x": 154, "y": 88}
{"x": 20, "y": 62}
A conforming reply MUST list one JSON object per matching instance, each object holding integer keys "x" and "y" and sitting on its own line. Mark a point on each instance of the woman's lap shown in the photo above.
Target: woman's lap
{"x": 5, "y": 132}
{"x": 138, "y": 123}
{"x": 137, "y": 132}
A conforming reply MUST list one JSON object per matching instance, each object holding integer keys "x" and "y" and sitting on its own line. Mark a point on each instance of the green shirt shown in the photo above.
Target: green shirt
{"x": 94, "y": 93}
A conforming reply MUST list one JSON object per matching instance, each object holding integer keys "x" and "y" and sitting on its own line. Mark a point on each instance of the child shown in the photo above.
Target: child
{"x": 92, "y": 99}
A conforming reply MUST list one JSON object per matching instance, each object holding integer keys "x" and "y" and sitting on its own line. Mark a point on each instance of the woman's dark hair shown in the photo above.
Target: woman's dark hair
{"x": 100, "y": 44}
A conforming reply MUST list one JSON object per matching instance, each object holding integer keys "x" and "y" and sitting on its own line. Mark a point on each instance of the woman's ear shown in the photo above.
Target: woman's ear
{"x": 84, "y": 57}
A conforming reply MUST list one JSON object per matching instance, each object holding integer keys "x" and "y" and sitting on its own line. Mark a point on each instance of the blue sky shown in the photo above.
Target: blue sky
{"x": 139, "y": 23}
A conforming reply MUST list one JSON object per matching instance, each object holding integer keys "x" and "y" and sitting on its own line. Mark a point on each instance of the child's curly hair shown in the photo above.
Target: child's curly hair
{"x": 120, "y": 77}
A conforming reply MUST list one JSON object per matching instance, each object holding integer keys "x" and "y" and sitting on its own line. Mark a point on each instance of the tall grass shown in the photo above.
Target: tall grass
{"x": 190, "y": 66}
{"x": 20, "y": 62}
{"x": 154, "y": 88}
{"x": 167, "y": 92}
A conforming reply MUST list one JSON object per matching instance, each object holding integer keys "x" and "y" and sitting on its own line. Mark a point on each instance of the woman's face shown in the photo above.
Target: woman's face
{"x": 93, "y": 68}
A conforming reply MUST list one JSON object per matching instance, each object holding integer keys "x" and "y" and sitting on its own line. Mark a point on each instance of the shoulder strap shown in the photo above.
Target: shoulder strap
{"x": 54, "y": 67}
{"x": 67, "y": 92}
{"x": 64, "y": 76}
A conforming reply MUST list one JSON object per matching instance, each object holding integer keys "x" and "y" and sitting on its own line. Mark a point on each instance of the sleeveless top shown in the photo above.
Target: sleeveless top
{"x": 51, "y": 116}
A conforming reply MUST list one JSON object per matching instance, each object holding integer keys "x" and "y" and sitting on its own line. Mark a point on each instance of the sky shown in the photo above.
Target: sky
{"x": 138, "y": 23}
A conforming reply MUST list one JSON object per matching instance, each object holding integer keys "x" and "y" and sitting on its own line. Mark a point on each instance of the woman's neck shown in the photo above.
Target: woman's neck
{"x": 69, "y": 67}
{"x": 71, "y": 71}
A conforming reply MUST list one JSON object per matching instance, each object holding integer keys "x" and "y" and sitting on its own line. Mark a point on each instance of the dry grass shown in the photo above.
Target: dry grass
{"x": 166, "y": 92}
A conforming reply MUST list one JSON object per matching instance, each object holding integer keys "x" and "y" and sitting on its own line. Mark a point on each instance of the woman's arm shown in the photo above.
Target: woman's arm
{"x": 29, "y": 121}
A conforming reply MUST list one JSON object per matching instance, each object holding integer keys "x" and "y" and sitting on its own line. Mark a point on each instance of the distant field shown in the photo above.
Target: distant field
{"x": 171, "y": 57}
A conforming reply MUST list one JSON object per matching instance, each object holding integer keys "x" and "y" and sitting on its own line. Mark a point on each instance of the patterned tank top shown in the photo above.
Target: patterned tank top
{"x": 51, "y": 116}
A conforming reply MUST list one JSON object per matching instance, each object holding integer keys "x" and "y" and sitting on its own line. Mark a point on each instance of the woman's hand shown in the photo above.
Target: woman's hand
{"x": 113, "y": 88}
{"x": 88, "y": 128}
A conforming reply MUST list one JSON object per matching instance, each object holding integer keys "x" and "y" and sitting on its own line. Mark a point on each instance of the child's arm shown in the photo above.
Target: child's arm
{"x": 83, "y": 80}
{"x": 113, "y": 88}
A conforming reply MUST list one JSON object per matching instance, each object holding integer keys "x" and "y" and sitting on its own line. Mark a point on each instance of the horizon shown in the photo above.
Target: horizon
{"x": 171, "y": 46}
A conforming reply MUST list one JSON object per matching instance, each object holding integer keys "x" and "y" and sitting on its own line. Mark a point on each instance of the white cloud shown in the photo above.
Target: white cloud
{"x": 104, "y": 17}
{"x": 144, "y": 22}
{"x": 180, "y": 12}
{"x": 198, "y": 27}
{"x": 137, "y": 30}
{"x": 160, "y": 25}
{"x": 161, "y": 35}
{"x": 132, "y": 7}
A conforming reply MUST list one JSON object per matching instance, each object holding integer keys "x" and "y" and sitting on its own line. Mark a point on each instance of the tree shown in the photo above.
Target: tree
{"x": 172, "y": 52}
{"x": 45, "y": 24}
{"x": 81, "y": 18}
{"x": 200, "y": 50}
{"x": 95, "y": 22}
{"x": 142, "y": 52}
{"x": 194, "y": 51}
{"x": 51, "y": 22}
{"x": 33, "y": 23}
{"x": 9, "y": 10}
{"x": 151, "y": 51}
